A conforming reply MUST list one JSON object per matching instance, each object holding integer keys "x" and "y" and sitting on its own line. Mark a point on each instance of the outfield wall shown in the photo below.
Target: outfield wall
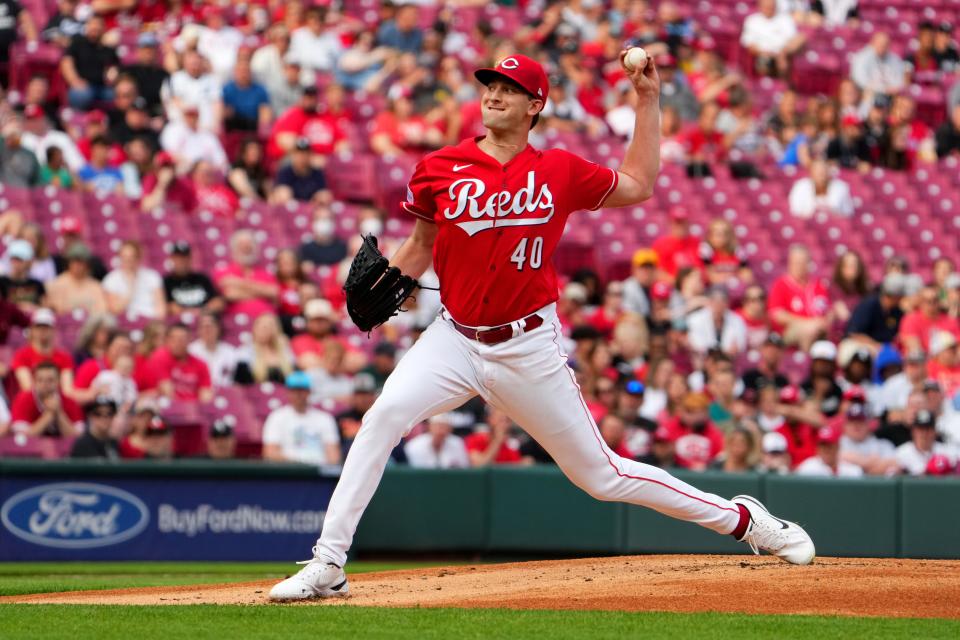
{"x": 192, "y": 510}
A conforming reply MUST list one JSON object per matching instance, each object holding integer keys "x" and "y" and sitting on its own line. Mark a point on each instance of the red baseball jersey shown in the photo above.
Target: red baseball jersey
{"x": 499, "y": 224}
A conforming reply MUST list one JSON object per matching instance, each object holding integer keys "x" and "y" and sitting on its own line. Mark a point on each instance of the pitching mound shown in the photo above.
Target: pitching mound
{"x": 854, "y": 587}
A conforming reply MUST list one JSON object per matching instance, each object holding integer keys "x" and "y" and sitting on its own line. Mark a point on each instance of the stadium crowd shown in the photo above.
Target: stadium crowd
{"x": 215, "y": 115}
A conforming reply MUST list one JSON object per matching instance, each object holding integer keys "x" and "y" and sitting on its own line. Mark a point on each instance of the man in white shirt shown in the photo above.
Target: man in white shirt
{"x": 827, "y": 462}
{"x": 878, "y": 70}
{"x": 771, "y": 38}
{"x": 188, "y": 144}
{"x": 218, "y": 42}
{"x": 715, "y": 326}
{"x": 193, "y": 86}
{"x": 914, "y": 456}
{"x": 437, "y": 447}
{"x": 299, "y": 433}
{"x": 314, "y": 46}
{"x": 895, "y": 390}
{"x": 38, "y": 136}
{"x": 860, "y": 447}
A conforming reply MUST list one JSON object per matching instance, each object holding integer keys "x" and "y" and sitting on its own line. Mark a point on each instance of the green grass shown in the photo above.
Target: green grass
{"x": 52, "y": 622}
{"x": 17, "y": 578}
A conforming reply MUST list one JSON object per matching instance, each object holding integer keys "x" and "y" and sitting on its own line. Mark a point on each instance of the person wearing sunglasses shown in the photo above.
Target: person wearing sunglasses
{"x": 96, "y": 441}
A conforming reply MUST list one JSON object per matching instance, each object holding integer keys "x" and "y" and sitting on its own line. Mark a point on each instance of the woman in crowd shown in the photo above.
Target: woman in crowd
{"x": 724, "y": 262}
{"x": 849, "y": 285}
{"x": 290, "y": 277}
{"x": 219, "y": 356}
{"x": 93, "y": 337}
{"x": 248, "y": 177}
{"x": 739, "y": 452}
{"x": 820, "y": 191}
{"x": 132, "y": 289}
{"x": 268, "y": 357}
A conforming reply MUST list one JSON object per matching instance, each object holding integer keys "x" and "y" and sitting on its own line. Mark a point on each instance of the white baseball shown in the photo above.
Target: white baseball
{"x": 636, "y": 58}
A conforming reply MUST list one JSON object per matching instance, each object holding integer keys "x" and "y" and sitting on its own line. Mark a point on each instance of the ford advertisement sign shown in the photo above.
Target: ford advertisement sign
{"x": 74, "y": 515}
{"x": 160, "y": 518}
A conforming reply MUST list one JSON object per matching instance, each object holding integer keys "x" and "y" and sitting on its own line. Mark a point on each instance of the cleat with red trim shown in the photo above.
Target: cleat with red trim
{"x": 786, "y": 540}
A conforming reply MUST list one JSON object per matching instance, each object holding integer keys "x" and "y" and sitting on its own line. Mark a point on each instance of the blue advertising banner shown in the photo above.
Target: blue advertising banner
{"x": 160, "y": 518}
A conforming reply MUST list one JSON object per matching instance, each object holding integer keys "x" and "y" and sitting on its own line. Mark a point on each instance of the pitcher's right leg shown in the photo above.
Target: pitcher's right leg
{"x": 436, "y": 375}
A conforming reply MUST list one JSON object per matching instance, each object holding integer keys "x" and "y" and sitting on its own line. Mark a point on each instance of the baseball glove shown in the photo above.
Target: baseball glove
{"x": 375, "y": 290}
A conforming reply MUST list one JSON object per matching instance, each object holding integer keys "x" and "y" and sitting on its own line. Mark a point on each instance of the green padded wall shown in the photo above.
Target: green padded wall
{"x": 845, "y": 517}
{"x": 930, "y": 518}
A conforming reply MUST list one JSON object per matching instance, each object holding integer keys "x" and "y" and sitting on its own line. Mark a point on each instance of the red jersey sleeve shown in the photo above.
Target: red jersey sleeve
{"x": 72, "y": 409}
{"x": 24, "y": 408}
{"x": 86, "y": 372}
{"x": 779, "y": 297}
{"x": 203, "y": 373}
{"x": 589, "y": 183}
{"x": 21, "y": 358}
{"x": 420, "y": 201}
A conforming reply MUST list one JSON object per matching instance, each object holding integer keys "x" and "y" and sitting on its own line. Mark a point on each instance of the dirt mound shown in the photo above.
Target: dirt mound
{"x": 854, "y": 587}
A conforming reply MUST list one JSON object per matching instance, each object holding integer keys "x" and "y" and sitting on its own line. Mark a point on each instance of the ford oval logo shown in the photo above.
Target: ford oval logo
{"x": 74, "y": 515}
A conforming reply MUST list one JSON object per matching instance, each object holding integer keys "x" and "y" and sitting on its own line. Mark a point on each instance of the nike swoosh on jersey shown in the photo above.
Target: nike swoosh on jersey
{"x": 461, "y": 167}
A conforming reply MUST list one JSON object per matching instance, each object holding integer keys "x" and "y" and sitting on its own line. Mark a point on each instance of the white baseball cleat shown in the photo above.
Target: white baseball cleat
{"x": 786, "y": 540}
{"x": 318, "y": 579}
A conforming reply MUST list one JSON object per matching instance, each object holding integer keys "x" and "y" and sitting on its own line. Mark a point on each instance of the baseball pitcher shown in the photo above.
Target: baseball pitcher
{"x": 489, "y": 214}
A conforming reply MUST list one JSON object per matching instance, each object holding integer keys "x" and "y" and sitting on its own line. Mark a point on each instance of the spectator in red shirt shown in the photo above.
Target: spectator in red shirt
{"x": 723, "y": 261}
{"x": 10, "y": 316}
{"x": 44, "y": 410}
{"x": 309, "y": 346}
{"x": 212, "y": 193}
{"x": 613, "y": 430}
{"x": 698, "y": 441}
{"x": 799, "y": 304}
{"x": 801, "y": 435}
{"x": 164, "y": 187}
{"x": 119, "y": 345}
{"x": 290, "y": 277}
{"x": 178, "y": 374}
{"x": 400, "y": 129}
{"x": 754, "y": 314}
{"x": 605, "y": 318}
{"x": 911, "y": 141}
{"x": 249, "y": 289}
{"x": 41, "y": 348}
{"x": 703, "y": 143}
{"x": 305, "y": 121}
{"x": 918, "y": 325}
{"x": 494, "y": 446}
{"x": 679, "y": 248}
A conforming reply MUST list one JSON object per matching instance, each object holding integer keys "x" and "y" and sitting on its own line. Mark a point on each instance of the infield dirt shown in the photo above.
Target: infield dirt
{"x": 832, "y": 586}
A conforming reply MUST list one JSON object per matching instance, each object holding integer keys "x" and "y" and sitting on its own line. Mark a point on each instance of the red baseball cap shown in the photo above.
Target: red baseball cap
{"x": 521, "y": 70}
{"x": 828, "y": 435}
{"x": 662, "y": 434}
{"x": 679, "y": 213}
{"x": 661, "y": 291}
{"x": 96, "y": 116}
{"x": 71, "y": 224}
{"x": 939, "y": 465}
{"x": 850, "y": 120}
{"x": 32, "y": 111}
{"x": 790, "y": 394}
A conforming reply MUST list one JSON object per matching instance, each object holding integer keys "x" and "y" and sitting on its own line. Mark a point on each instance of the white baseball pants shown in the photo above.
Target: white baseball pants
{"x": 528, "y": 378}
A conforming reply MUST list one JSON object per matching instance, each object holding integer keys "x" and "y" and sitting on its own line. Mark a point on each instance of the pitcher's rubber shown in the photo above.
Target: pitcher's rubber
{"x": 746, "y": 584}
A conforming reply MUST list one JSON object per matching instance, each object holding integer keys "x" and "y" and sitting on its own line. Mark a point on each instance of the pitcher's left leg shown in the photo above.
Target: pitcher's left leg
{"x": 534, "y": 385}
{"x": 536, "y": 388}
